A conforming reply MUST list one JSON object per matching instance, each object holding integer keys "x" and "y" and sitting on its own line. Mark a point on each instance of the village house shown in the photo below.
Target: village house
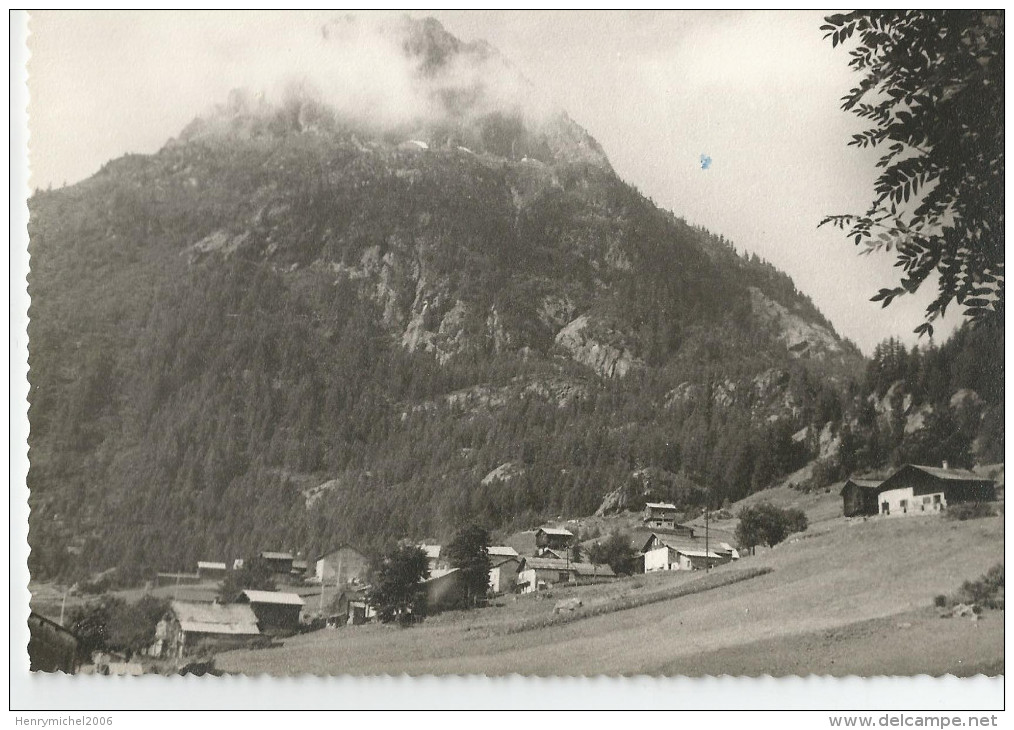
{"x": 859, "y": 496}
{"x": 537, "y": 574}
{"x": 914, "y": 489}
{"x": 277, "y": 612}
{"x": 341, "y": 566}
{"x": 187, "y": 628}
{"x": 917, "y": 489}
{"x": 278, "y": 563}
{"x": 660, "y": 515}
{"x": 51, "y": 647}
{"x": 208, "y": 570}
{"x": 433, "y": 553}
{"x": 553, "y": 538}
{"x": 445, "y": 589}
{"x": 662, "y": 553}
{"x": 503, "y": 573}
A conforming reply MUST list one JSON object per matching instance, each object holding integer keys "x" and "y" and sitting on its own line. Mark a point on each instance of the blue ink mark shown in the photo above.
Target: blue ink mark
{"x": 705, "y": 162}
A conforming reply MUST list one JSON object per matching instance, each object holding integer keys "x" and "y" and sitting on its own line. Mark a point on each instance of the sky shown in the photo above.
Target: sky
{"x": 757, "y": 92}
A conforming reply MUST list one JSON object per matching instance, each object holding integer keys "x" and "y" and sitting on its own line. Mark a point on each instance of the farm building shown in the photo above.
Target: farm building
{"x": 503, "y": 575}
{"x": 276, "y": 611}
{"x": 859, "y": 497}
{"x": 726, "y": 550}
{"x": 433, "y": 556}
{"x": 917, "y": 489}
{"x": 591, "y": 572}
{"x": 299, "y": 568}
{"x": 699, "y": 559}
{"x": 188, "y": 628}
{"x": 553, "y": 538}
{"x": 351, "y": 607}
{"x": 445, "y": 589}
{"x": 661, "y": 553}
{"x": 660, "y": 515}
{"x": 51, "y": 647}
{"x": 176, "y": 579}
{"x": 539, "y": 573}
{"x": 208, "y": 570}
{"x": 279, "y": 563}
{"x": 341, "y": 565}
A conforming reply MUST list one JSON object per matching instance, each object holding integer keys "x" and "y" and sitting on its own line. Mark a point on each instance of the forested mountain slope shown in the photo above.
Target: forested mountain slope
{"x": 291, "y": 327}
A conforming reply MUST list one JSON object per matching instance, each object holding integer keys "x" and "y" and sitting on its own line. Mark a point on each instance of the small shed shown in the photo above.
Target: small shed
{"x": 699, "y": 559}
{"x": 280, "y": 563}
{"x": 208, "y": 570}
{"x": 276, "y": 611}
{"x": 188, "y": 628}
{"x": 859, "y": 496}
{"x": 51, "y": 646}
{"x": 351, "y": 607}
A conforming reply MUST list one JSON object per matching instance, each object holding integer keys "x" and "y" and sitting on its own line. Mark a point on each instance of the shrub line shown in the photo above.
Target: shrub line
{"x": 701, "y": 585}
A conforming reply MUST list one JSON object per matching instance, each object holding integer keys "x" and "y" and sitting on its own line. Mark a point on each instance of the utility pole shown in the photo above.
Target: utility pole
{"x": 64, "y": 604}
{"x": 707, "y": 550}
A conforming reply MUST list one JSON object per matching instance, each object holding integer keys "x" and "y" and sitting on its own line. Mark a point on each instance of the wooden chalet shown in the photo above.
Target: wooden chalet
{"x": 277, "y": 612}
{"x": 51, "y": 647}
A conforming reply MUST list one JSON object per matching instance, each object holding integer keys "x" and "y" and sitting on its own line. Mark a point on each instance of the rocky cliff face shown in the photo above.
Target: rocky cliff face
{"x": 295, "y": 325}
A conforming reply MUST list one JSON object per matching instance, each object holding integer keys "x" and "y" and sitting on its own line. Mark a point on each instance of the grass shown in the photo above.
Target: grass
{"x": 634, "y": 600}
{"x": 838, "y": 595}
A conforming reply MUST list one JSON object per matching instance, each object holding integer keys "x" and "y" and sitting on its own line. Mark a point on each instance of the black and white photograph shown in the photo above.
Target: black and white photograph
{"x": 496, "y": 343}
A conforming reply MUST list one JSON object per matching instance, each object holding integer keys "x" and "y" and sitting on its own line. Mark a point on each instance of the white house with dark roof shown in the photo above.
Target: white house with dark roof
{"x": 917, "y": 489}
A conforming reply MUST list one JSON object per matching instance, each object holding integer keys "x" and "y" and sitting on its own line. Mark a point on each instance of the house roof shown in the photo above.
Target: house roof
{"x": 335, "y": 550}
{"x": 288, "y": 599}
{"x": 268, "y": 555}
{"x": 556, "y": 531}
{"x": 440, "y": 573}
{"x": 502, "y": 551}
{"x": 548, "y": 564}
{"x": 216, "y": 618}
{"x": 960, "y": 475}
{"x": 593, "y": 569}
{"x": 299, "y": 564}
{"x": 207, "y": 565}
{"x": 660, "y": 505}
{"x": 866, "y": 483}
{"x": 432, "y": 551}
{"x": 698, "y": 553}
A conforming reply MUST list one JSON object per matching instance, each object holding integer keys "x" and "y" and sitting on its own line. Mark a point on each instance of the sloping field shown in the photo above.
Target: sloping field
{"x": 838, "y": 577}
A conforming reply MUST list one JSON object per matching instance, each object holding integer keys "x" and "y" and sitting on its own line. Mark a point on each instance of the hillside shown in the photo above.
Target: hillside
{"x": 844, "y": 598}
{"x": 294, "y": 326}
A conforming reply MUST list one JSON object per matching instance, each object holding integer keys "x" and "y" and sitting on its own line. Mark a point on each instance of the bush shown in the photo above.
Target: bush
{"x": 765, "y": 524}
{"x": 987, "y": 591}
{"x": 969, "y": 511}
{"x": 940, "y": 601}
